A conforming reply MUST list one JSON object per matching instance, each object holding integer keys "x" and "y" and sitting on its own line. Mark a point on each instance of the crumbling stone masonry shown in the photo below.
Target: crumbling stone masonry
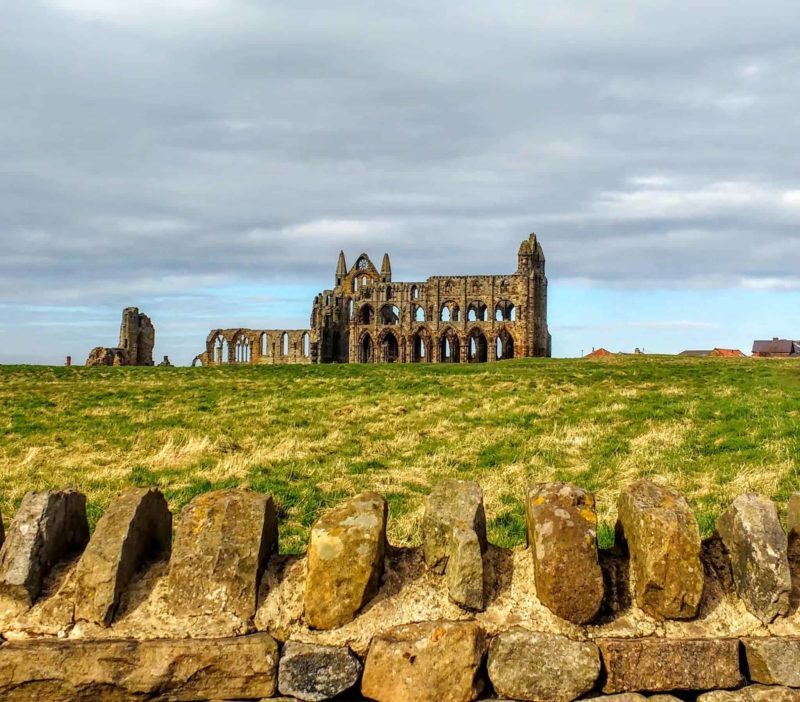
{"x": 223, "y": 616}
{"x": 137, "y": 338}
{"x": 369, "y": 318}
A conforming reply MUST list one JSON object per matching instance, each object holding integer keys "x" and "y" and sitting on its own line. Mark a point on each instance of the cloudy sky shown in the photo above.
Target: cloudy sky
{"x": 207, "y": 159}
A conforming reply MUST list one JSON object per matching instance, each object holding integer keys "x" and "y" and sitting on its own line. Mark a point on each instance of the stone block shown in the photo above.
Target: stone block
{"x": 773, "y": 660}
{"x": 526, "y": 665}
{"x": 752, "y": 693}
{"x": 453, "y": 525}
{"x": 345, "y": 561}
{"x": 426, "y": 662}
{"x": 113, "y": 670}
{"x": 665, "y": 665}
{"x": 135, "y": 529}
{"x": 48, "y": 527}
{"x": 562, "y": 533}
{"x": 465, "y": 569}
{"x": 314, "y": 673}
{"x": 663, "y": 541}
{"x": 222, "y": 543}
{"x": 758, "y": 548}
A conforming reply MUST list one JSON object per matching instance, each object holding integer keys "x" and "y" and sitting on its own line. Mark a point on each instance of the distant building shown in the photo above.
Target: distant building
{"x": 716, "y": 352}
{"x": 777, "y": 348}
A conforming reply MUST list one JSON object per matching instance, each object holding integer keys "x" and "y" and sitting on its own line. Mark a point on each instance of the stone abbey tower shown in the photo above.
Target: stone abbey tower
{"x": 369, "y": 318}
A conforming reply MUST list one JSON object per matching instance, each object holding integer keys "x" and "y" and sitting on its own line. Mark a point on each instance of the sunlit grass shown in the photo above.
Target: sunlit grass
{"x": 312, "y": 435}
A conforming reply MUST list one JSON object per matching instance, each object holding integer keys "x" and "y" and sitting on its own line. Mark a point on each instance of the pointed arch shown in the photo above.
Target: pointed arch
{"x": 477, "y": 347}
{"x": 366, "y": 349}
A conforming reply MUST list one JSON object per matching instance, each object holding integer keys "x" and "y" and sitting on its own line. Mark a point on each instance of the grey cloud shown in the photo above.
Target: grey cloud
{"x": 156, "y": 150}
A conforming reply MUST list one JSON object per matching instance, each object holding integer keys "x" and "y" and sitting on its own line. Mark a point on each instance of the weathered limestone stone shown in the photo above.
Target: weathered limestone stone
{"x": 454, "y": 522}
{"x": 758, "y": 547}
{"x": 465, "y": 569}
{"x": 47, "y": 527}
{"x": 524, "y": 665}
{"x": 753, "y": 693}
{"x": 222, "y": 543}
{"x": 2, "y": 531}
{"x": 664, "y": 665}
{"x": 664, "y": 544}
{"x": 345, "y": 560}
{"x": 562, "y": 532}
{"x": 625, "y": 697}
{"x": 427, "y": 662}
{"x": 136, "y": 528}
{"x": 113, "y": 670}
{"x": 773, "y": 661}
{"x": 314, "y": 673}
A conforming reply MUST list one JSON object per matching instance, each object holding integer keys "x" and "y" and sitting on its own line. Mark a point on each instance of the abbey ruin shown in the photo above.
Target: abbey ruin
{"x": 369, "y": 318}
{"x": 137, "y": 338}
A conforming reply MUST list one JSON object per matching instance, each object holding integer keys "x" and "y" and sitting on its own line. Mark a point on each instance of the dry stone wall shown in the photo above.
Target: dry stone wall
{"x": 210, "y": 610}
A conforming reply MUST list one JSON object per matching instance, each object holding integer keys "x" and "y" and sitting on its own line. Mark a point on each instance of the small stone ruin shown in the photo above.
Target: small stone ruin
{"x": 137, "y": 338}
{"x": 212, "y": 611}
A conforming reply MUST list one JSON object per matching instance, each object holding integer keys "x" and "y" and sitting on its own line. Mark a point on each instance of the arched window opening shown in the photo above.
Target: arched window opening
{"x": 198, "y": 361}
{"x": 477, "y": 350}
{"x": 388, "y": 292}
{"x": 477, "y": 312}
{"x": 505, "y": 311}
{"x": 419, "y": 348}
{"x": 355, "y": 284}
{"x": 366, "y": 315}
{"x": 449, "y": 349}
{"x": 241, "y": 350}
{"x": 414, "y": 292}
{"x": 285, "y": 344}
{"x": 365, "y": 349}
{"x": 264, "y": 343}
{"x": 350, "y": 307}
{"x": 221, "y": 350}
{"x": 505, "y": 345}
{"x": 419, "y": 314}
{"x": 390, "y": 314}
{"x": 456, "y": 313}
{"x": 445, "y": 315}
{"x": 306, "y": 345}
{"x": 390, "y": 350}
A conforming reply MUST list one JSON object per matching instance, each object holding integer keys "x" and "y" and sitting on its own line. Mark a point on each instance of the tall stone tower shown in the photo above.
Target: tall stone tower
{"x": 137, "y": 336}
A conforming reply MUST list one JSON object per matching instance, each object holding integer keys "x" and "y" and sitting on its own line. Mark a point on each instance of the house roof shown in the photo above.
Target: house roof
{"x": 597, "y": 353}
{"x": 727, "y": 353}
{"x": 777, "y": 346}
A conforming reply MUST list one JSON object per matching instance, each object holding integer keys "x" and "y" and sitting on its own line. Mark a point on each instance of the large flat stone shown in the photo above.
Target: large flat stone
{"x": 48, "y": 527}
{"x": 663, "y": 540}
{"x": 427, "y": 662}
{"x": 664, "y": 665}
{"x": 562, "y": 533}
{"x": 114, "y": 670}
{"x": 758, "y": 548}
{"x": 222, "y": 543}
{"x": 314, "y": 673}
{"x": 135, "y": 529}
{"x": 454, "y": 539}
{"x": 773, "y": 661}
{"x": 345, "y": 560}
{"x": 752, "y": 693}
{"x": 526, "y": 665}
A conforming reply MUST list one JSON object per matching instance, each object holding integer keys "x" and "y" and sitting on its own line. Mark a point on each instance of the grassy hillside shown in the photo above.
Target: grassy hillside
{"x": 311, "y": 435}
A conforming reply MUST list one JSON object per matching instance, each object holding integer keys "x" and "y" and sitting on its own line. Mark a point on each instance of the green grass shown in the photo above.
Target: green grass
{"x": 311, "y": 435}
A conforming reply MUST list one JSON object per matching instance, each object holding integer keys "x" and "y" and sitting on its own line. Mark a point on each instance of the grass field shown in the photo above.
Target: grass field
{"x": 312, "y": 435}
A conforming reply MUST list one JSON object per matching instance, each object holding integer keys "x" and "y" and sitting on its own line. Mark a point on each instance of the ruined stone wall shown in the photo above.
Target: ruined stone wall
{"x": 211, "y": 610}
{"x": 137, "y": 339}
{"x": 254, "y": 346}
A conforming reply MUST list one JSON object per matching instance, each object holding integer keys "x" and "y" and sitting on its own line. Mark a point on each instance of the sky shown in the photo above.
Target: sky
{"x": 206, "y": 160}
